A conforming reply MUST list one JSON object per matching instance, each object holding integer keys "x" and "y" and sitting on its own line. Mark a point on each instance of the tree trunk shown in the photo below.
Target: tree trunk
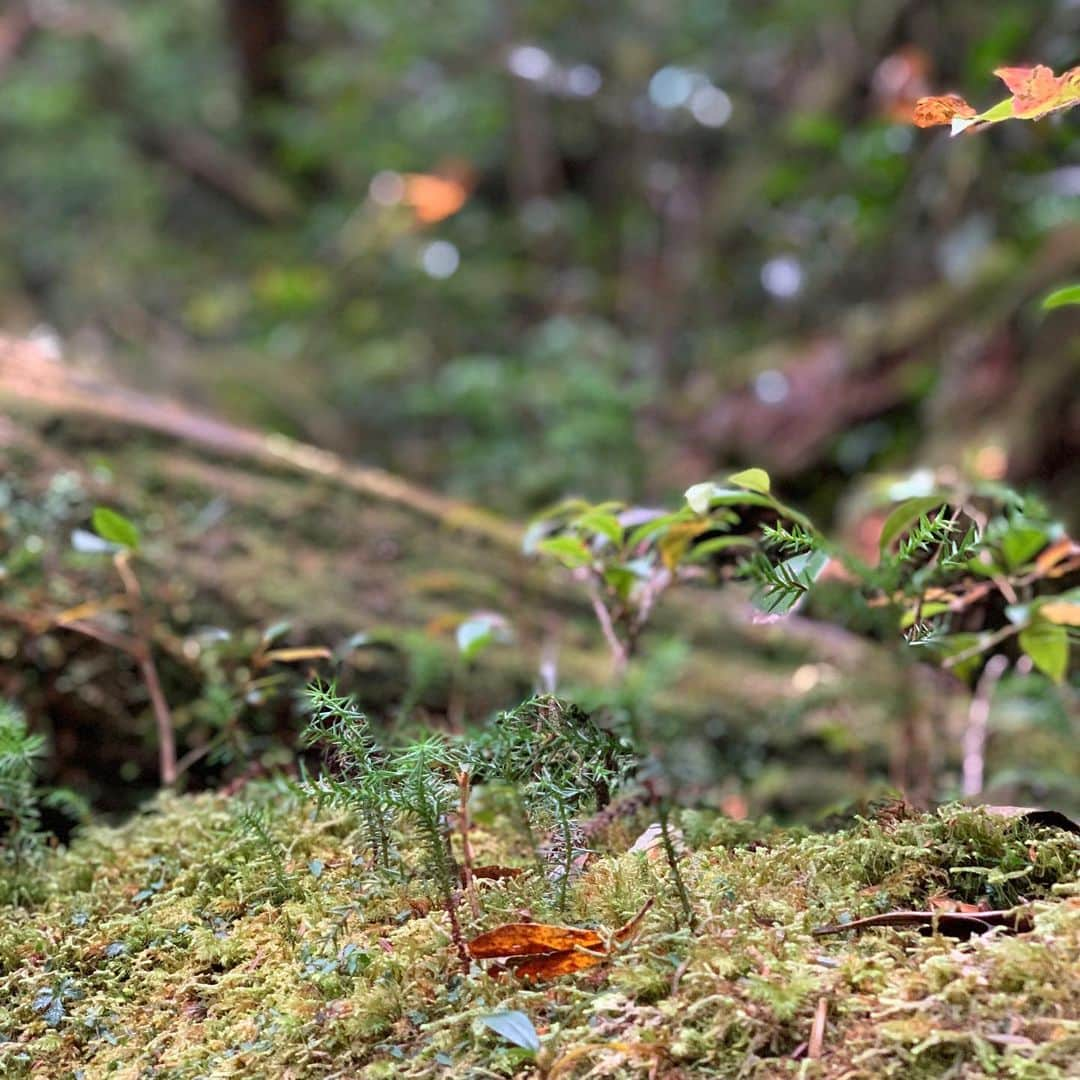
{"x": 258, "y": 34}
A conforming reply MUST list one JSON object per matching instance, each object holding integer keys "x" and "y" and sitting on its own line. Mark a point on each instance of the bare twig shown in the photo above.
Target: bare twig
{"x": 145, "y": 656}
{"x": 466, "y": 845}
{"x": 620, "y": 656}
{"x": 974, "y": 765}
{"x": 996, "y": 638}
{"x": 817, "y": 1029}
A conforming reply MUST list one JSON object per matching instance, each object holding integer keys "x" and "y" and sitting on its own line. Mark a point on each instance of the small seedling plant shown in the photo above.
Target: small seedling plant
{"x": 556, "y": 761}
{"x": 23, "y": 839}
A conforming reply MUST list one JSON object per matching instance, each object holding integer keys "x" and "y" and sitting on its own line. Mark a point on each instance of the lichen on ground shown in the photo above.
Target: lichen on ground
{"x": 184, "y": 944}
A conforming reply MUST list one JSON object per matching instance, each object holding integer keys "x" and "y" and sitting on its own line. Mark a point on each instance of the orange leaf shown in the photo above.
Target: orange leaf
{"x": 931, "y": 111}
{"x": 1037, "y": 91}
{"x": 1061, "y": 612}
{"x": 1052, "y": 555}
{"x": 540, "y": 951}
{"x": 531, "y": 939}
{"x": 433, "y": 198}
{"x": 553, "y": 965}
{"x": 497, "y": 873}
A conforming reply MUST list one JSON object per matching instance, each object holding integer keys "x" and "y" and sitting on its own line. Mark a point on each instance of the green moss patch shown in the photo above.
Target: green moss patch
{"x": 187, "y": 944}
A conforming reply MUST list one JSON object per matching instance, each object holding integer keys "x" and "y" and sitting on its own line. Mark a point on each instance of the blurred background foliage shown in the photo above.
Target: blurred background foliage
{"x": 516, "y": 251}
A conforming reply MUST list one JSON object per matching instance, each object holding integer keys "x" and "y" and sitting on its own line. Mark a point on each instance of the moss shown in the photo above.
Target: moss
{"x": 179, "y": 946}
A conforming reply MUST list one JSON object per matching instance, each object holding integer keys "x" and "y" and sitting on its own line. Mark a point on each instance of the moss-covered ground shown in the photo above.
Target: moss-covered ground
{"x": 185, "y": 945}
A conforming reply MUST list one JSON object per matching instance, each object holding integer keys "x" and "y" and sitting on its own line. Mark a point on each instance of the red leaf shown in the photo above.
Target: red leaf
{"x": 1037, "y": 91}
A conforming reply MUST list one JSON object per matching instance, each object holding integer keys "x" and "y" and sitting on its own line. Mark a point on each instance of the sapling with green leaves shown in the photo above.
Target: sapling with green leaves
{"x": 361, "y": 776}
{"x": 116, "y": 535}
{"x": 23, "y": 840}
{"x": 415, "y": 785}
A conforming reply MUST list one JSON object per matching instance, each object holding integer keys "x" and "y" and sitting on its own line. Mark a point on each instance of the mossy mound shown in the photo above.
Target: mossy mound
{"x": 185, "y": 944}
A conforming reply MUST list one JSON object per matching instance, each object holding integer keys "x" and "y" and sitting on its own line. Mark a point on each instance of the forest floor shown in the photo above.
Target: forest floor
{"x": 795, "y": 718}
{"x": 187, "y": 944}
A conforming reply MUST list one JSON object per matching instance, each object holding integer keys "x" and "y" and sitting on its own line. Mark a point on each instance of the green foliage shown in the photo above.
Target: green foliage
{"x": 590, "y": 310}
{"x": 936, "y": 553}
{"x": 553, "y": 757}
{"x": 545, "y": 740}
{"x": 23, "y": 841}
{"x": 115, "y": 528}
{"x": 415, "y": 784}
{"x": 360, "y": 777}
{"x": 1063, "y": 297}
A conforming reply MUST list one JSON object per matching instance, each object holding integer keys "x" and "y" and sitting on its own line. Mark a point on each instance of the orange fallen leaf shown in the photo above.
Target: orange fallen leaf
{"x": 497, "y": 873}
{"x": 931, "y": 111}
{"x": 541, "y": 951}
{"x": 531, "y": 939}
{"x": 554, "y": 965}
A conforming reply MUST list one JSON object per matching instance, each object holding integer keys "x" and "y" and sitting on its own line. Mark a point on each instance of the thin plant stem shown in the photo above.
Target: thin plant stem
{"x": 663, "y": 811}
{"x": 974, "y": 759}
{"x": 144, "y": 655}
{"x": 466, "y": 843}
{"x": 568, "y": 850}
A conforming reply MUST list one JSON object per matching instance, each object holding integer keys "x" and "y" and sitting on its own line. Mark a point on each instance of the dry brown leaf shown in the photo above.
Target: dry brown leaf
{"x": 932, "y": 111}
{"x": 553, "y": 965}
{"x": 541, "y": 951}
{"x": 89, "y": 609}
{"x": 498, "y": 873}
{"x": 531, "y": 939}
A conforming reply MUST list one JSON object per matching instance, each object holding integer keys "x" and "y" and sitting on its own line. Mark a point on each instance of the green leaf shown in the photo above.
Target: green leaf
{"x": 115, "y": 528}
{"x": 649, "y": 528}
{"x": 702, "y": 497}
{"x": 476, "y": 634}
{"x": 621, "y": 580}
{"x": 515, "y": 1027}
{"x": 751, "y": 479}
{"x": 571, "y": 551}
{"x": 908, "y": 512}
{"x": 598, "y": 521}
{"x": 1021, "y": 544}
{"x": 1003, "y": 110}
{"x": 702, "y": 551}
{"x": 1048, "y": 646}
{"x": 806, "y": 568}
{"x": 699, "y": 497}
{"x": 1070, "y": 294}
